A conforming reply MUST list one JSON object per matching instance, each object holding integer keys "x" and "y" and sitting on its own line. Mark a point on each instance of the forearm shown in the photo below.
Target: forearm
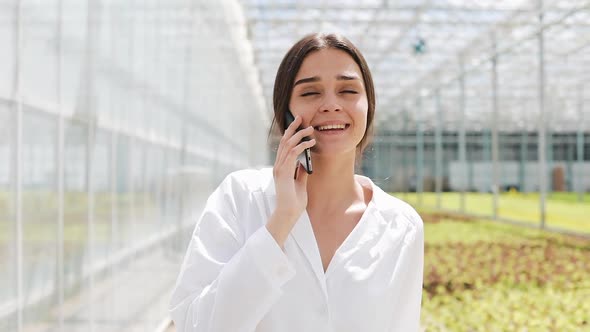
{"x": 243, "y": 292}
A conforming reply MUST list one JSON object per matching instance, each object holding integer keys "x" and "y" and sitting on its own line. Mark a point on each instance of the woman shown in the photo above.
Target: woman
{"x": 329, "y": 251}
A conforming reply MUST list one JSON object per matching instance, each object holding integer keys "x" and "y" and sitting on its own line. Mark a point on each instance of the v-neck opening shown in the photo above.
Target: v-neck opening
{"x": 304, "y": 236}
{"x": 344, "y": 243}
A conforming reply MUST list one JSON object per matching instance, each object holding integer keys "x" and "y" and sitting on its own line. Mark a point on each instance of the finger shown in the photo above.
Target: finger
{"x": 287, "y": 135}
{"x": 293, "y": 141}
{"x": 298, "y": 136}
{"x": 287, "y": 165}
{"x": 293, "y": 127}
{"x": 297, "y": 150}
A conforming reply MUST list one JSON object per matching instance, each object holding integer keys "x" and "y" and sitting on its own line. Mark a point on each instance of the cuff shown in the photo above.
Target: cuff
{"x": 268, "y": 257}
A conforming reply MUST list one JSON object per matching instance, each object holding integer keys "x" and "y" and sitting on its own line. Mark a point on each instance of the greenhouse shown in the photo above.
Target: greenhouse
{"x": 119, "y": 119}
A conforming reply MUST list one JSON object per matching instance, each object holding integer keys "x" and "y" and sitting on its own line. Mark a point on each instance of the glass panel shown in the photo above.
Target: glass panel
{"x": 138, "y": 226}
{"x": 39, "y": 217}
{"x": 102, "y": 308}
{"x": 7, "y": 218}
{"x": 123, "y": 195}
{"x": 101, "y": 175}
{"x": 7, "y": 56}
{"x": 74, "y": 26}
{"x": 75, "y": 206}
{"x": 159, "y": 156}
{"x": 38, "y": 55}
{"x": 152, "y": 167}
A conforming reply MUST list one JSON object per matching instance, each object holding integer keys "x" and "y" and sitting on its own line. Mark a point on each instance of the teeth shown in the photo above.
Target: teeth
{"x": 336, "y": 126}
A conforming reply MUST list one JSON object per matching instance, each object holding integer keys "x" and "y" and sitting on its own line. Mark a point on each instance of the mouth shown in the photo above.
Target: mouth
{"x": 333, "y": 128}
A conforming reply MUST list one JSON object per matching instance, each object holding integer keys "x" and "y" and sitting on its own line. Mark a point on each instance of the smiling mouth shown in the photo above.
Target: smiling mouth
{"x": 332, "y": 128}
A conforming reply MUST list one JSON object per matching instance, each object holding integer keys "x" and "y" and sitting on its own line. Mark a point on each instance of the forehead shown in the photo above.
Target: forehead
{"x": 328, "y": 63}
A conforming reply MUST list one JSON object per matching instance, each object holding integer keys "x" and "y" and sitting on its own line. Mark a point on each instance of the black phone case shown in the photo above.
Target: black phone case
{"x": 305, "y": 157}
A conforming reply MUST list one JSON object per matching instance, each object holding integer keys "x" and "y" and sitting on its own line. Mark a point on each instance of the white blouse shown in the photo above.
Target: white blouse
{"x": 236, "y": 278}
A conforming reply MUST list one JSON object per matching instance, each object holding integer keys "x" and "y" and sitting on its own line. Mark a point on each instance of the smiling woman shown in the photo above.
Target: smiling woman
{"x": 340, "y": 62}
{"x": 330, "y": 81}
{"x": 328, "y": 251}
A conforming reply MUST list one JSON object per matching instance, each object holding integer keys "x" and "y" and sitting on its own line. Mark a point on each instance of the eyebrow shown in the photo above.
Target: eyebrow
{"x": 340, "y": 77}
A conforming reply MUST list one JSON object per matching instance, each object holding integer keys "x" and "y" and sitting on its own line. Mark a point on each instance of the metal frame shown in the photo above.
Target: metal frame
{"x": 542, "y": 123}
{"x": 17, "y": 165}
{"x": 460, "y": 29}
{"x": 476, "y": 33}
{"x": 60, "y": 174}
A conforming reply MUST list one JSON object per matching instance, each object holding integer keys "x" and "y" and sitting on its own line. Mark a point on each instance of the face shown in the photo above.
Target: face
{"x": 329, "y": 94}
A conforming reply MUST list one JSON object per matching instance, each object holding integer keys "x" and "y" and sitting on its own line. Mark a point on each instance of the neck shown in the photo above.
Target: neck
{"x": 332, "y": 186}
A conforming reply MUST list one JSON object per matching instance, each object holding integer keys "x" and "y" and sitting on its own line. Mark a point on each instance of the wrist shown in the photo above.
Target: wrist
{"x": 279, "y": 225}
{"x": 288, "y": 215}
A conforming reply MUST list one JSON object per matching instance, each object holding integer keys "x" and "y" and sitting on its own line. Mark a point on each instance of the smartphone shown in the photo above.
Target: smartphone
{"x": 305, "y": 157}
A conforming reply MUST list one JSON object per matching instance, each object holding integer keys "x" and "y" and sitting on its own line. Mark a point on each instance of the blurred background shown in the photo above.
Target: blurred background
{"x": 119, "y": 118}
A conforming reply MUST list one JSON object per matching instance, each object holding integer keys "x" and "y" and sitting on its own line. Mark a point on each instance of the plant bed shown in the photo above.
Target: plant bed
{"x": 485, "y": 276}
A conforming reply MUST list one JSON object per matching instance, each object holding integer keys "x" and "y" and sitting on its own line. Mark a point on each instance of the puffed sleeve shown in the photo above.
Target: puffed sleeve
{"x": 409, "y": 282}
{"x": 228, "y": 281}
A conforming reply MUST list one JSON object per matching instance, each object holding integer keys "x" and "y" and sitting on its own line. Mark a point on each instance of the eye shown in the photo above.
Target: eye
{"x": 309, "y": 94}
{"x": 350, "y": 91}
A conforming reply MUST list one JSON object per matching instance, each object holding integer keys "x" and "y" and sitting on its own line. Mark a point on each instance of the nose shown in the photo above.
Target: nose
{"x": 330, "y": 104}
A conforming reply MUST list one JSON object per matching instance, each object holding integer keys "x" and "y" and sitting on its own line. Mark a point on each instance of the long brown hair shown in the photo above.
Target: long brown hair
{"x": 291, "y": 64}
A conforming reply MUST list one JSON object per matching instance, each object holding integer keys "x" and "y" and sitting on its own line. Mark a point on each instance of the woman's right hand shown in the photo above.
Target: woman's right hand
{"x": 291, "y": 194}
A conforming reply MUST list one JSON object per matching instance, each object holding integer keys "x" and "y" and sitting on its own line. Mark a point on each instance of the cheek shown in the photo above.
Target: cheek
{"x": 363, "y": 105}
{"x": 361, "y": 109}
{"x": 305, "y": 109}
